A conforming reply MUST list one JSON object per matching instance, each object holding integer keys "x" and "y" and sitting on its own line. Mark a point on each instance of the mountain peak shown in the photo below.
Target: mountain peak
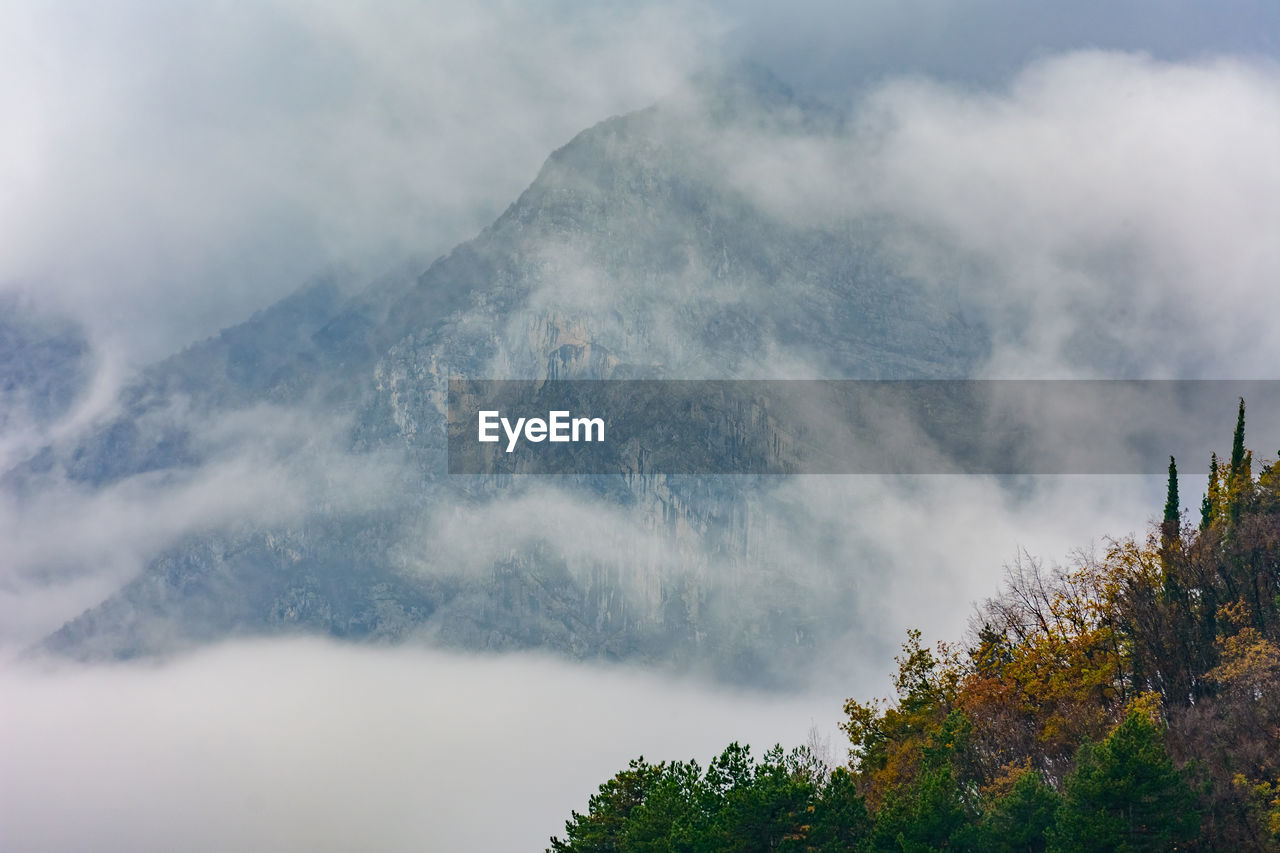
{"x": 748, "y": 91}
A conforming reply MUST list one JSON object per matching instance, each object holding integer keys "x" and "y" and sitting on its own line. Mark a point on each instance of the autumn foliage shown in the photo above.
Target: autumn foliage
{"x": 1129, "y": 700}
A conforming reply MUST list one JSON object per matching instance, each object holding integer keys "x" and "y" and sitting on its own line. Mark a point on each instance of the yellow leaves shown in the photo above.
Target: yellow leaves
{"x": 886, "y": 738}
{"x": 1149, "y": 705}
{"x": 1004, "y": 780}
{"x": 1235, "y": 613}
{"x": 1264, "y": 799}
{"x": 1250, "y": 663}
{"x": 1053, "y": 663}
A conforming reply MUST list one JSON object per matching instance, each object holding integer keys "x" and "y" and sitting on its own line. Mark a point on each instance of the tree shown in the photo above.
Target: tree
{"x": 604, "y": 824}
{"x": 1172, "y": 512}
{"x": 934, "y": 811}
{"x": 763, "y": 807}
{"x": 840, "y": 821}
{"x": 737, "y": 805}
{"x": 1125, "y": 795}
{"x": 1239, "y": 475}
{"x": 1237, "y": 444}
{"x": 1059, "y": 726}
{"x": 1018, "y": 821}
{"x": 1209, "y": 504}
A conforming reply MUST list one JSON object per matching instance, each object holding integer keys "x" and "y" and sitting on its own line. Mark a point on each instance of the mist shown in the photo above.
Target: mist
{"x": 169, "y": 171}
{"x": 1098, "y": 183}
{"x": 1087, "y": 204}
{"x": 1111, "y": 214}
{"x": 306, "y": 745}
{"x": 69, "y": 545}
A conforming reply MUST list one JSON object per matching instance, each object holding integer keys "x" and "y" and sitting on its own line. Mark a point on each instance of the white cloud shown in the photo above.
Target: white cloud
{"x": 1114, "y": 215}
{"x": 169, "y": 170}
{"x": 293, "y": 745}
{"x": 69, "y": 545}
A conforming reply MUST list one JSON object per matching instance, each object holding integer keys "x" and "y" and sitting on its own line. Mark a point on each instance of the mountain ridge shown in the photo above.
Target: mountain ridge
{"x": 630, "y": 254}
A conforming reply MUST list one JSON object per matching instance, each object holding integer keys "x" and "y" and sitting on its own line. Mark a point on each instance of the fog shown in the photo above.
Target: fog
{"x": 1102, "y": 179}
{"x": 170, "y": 170}
{"x": 1112, "y": 213}
{"x": 68, "y": 545}
{"x": 305, "y": 745}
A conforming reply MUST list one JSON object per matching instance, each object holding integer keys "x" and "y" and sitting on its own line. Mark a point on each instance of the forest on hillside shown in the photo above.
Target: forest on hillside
{"x": 1122, "y": 702}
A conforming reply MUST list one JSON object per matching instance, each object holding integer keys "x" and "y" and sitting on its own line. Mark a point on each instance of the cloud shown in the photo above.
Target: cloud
{"x": 1080, "y": 212}
{"x": 1101, "y": 214}
{"x": 1110, "y": 214}
{"x": 69, "y": 545}
{"x": 185, "y": 168}
{"x": 303, "y": 745}
{"x": 167, "y": 172}
{"x": 1090, "y": 201}
{"x": 852, "y": 44}
{"x": 851, "y": 561}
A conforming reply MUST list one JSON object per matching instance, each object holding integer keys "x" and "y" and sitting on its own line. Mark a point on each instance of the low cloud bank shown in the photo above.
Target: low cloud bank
{"x": 304, "y": 745}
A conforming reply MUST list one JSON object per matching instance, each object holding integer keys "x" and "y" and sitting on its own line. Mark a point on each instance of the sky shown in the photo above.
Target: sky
{"x": 1103, "y": 172}
{"x": 169, "y": 169}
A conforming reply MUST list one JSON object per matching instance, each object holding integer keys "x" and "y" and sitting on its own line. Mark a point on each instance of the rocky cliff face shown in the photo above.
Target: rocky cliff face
{"x": 633, "y": 254}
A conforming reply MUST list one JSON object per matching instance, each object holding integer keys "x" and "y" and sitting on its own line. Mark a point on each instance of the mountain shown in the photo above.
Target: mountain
{"x": 44, "y": 364}
{"x": 636, "y": 252}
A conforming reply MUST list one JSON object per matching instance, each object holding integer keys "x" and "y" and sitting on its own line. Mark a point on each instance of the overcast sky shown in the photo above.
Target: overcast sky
{"x": 169, "y": 168}
{"x": 829, "y": 46}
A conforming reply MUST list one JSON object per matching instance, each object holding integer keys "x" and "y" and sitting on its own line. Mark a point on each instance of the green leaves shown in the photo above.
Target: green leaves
{"x": 1049, "y": 732}
{"x": 1125, "y": 795}
{"x": 1019, "y": 821}
{"x": 737, "y": 805}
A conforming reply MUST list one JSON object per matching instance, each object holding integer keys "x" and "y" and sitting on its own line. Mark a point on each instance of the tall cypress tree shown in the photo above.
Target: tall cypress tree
{"x": 1172, "y": 511}
{"x": 1239, "y": 475}
{"x": 1209, "y": 504}
{"x": 1237, "y": 445}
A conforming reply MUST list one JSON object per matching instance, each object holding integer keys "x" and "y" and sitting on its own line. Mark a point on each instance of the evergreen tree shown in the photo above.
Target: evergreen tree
{"x": 1019, "y": 821}
{"x": 601, "y": 829}
{"x": 1125, "y": 794}
{"x": 1237, "y": 445}
{"x": 840, "y": 821}
{"x": 932, "y": 812}
{"x": 1239, "y": 475}
{"x": 1172, "y": 511}
{"x": 927, "y": 815}
{"x": 1209, "y": 505}
{"x": 766, "y": 809}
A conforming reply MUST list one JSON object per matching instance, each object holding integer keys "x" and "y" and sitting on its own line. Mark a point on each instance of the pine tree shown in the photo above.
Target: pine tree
{"x": 600, "y": 830}
{"x": 1018, "y": 821}
{"x": 1125, "y": 794}
{"x": 840, "y": 819}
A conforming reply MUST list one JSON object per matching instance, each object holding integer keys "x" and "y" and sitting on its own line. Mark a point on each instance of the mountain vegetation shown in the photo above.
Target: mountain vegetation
{"x": 1128, "y": 701}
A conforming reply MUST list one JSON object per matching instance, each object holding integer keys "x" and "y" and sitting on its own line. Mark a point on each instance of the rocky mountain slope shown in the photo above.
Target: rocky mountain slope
{"x": 635, "y": 252}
